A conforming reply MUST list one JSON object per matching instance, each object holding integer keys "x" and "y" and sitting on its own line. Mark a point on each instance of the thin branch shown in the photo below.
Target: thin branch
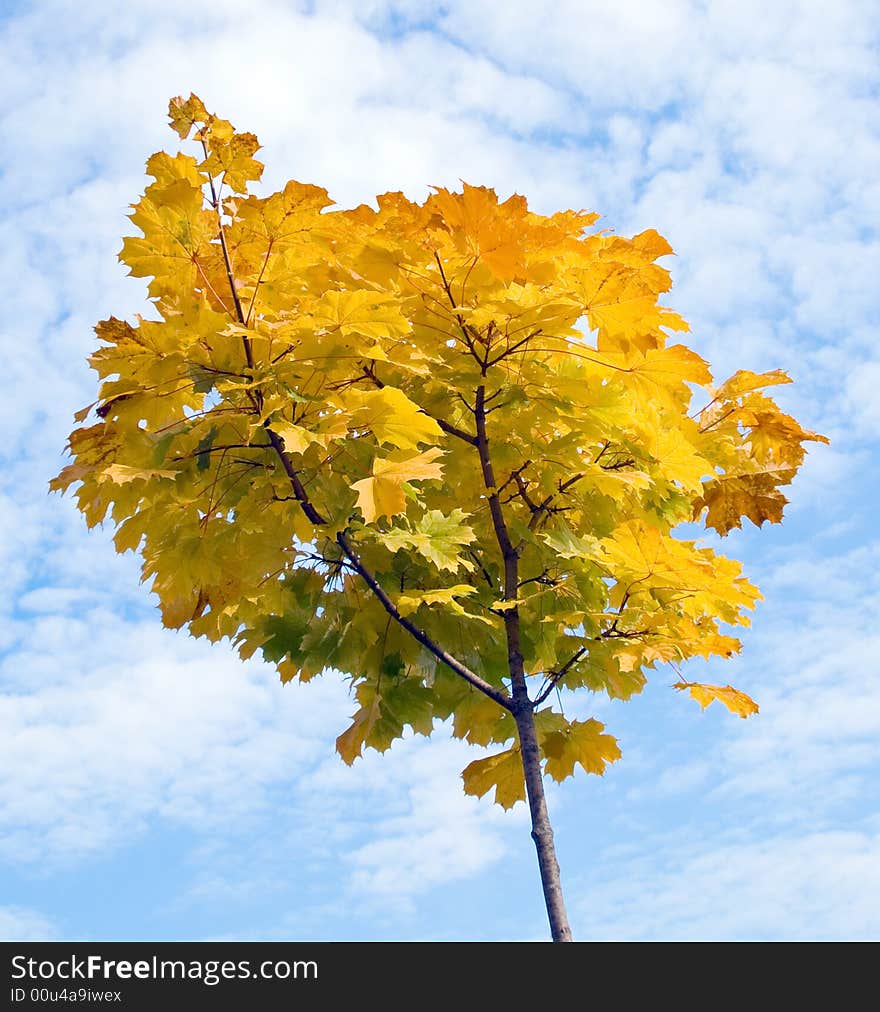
{"x": 223, "y": 446}
{"x": 510, "y": 351}
{"x": 302, "y": 497}
{"x": 333, "y": 563}
{"x": 554, "y": 677}
{"x": 514, "y": 475}
{"x": 461, "y": 324}
{"x": 283, "y": 354}
{"x": 545, "y": 505}
{"x": 486, "y": 574}
{"x": 500, "y": 697}
{"x": 247, "y": 318}
{"x": 215, "y": 200}
{"x": 542, "y": 578}
{"x": 522, "y": 488}
{"x": 711, "y": 425}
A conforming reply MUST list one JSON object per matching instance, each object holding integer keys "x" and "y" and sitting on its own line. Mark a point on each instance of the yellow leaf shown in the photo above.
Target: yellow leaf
{"x": 297, "y": 439}
{"x": 652, "y": 244}
{"x": 350, "y": 744}
{"x": 482, "y": 227}
{"x": 392, "y": 417}
{"x": 676, "y": 457}
{"x": 372, "y": 314}
{"x": 678, "y": 362}
{"x": 83, "y": 413}
{"x": 729, "y": 498}
{"x": 744, "y": 381}
{"x": 408, "y": 603}
{"x": 383, "y": 494}
{"x": 502, "y": 771}
{"x": 184, "y": 113}
{"x": 166, "y": 169}
{"x": 735, "y": 701}
{"x": 580, "y": 743}
{"x": 122, "y": 473}
{"x": 235, "y": 161}
{"x": 507, "y": 605}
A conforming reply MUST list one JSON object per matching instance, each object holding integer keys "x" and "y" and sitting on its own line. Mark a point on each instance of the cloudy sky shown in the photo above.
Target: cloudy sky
{"x": 153, "y": 786}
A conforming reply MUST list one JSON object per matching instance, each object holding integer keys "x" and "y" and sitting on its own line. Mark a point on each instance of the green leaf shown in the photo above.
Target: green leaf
{"x": 161, "y": 448}
{"x": 285, "y": 635}
{"x": 562, "y": 540}
{"x": 387, "y": 706}
{"x": 203, "y": 456}
{"x": 436, "y": 537}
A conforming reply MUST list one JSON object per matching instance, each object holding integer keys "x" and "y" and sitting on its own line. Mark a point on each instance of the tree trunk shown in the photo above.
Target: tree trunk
{"x": 542, "y": 832}
{"x": 522, "y": 707}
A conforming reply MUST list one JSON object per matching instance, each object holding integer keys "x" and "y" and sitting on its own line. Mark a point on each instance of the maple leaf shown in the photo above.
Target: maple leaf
{"x": 503, "y": 772}
{"x": 367, "y": 313}
{"x": 184, "y": 114}
{"x": 177, "y": 233}
{"x": 383, "y": 493}
{"x": 297, "y": 438}
{"x": 580, "y": 743}
{"x": 735, "y": 701}
{"x": 234, "y": 161}
{"x": 384, "y": 712}
{"x": 121, "y": 473}
{"x": 436, "y": 537}
{"x": 754, "y": 495}
{"x": 408, "y": 603}
{"x": 393, "y": 418}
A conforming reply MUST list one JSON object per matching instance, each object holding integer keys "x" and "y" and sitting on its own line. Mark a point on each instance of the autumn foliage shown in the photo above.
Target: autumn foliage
{"x": 406, "y": 442}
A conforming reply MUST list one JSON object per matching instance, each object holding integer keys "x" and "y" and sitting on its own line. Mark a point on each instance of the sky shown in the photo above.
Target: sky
{"x": 155, "y": 787}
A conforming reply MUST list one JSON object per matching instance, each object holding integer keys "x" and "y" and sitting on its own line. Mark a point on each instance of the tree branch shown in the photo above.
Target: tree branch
{"x": 510, "y": 557}
{"x": 486, "y": 574}
{"x": 513, "y": 348}
{"x": 299, "y": 492}
{"x": 308, "y": 507}
{"x": 500, "y": 697}
{"x": 554, "y": 677}
{"x": 215, "y": 201}
{"x": 461, "y": 324}
{"x": 544, "y": 506}
{"x": 247, "y": 319}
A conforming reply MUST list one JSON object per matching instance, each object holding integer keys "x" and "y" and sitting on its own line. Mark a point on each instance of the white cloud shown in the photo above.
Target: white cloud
{"x": 862, "y": 385}
{"x": 746, "y": 132}
{"x": 111, "y": 723}
{"x": 815, "y": 746}
{"x": 19, "y": 924}
{"x": 812, "y": 886}
{"x": 441, "y": 837}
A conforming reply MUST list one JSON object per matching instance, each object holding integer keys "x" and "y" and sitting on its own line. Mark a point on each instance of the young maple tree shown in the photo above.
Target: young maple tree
{"x": 439, "y": 447}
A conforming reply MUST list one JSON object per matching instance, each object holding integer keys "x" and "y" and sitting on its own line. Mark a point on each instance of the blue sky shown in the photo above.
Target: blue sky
{"x": 153, "y": 786}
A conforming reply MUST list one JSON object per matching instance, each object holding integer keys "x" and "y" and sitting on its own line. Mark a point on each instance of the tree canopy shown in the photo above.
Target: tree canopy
{"x": 435, "y": 446}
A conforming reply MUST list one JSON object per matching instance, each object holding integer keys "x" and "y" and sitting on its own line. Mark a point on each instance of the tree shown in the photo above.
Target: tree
{"x": 441, "y": 448}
